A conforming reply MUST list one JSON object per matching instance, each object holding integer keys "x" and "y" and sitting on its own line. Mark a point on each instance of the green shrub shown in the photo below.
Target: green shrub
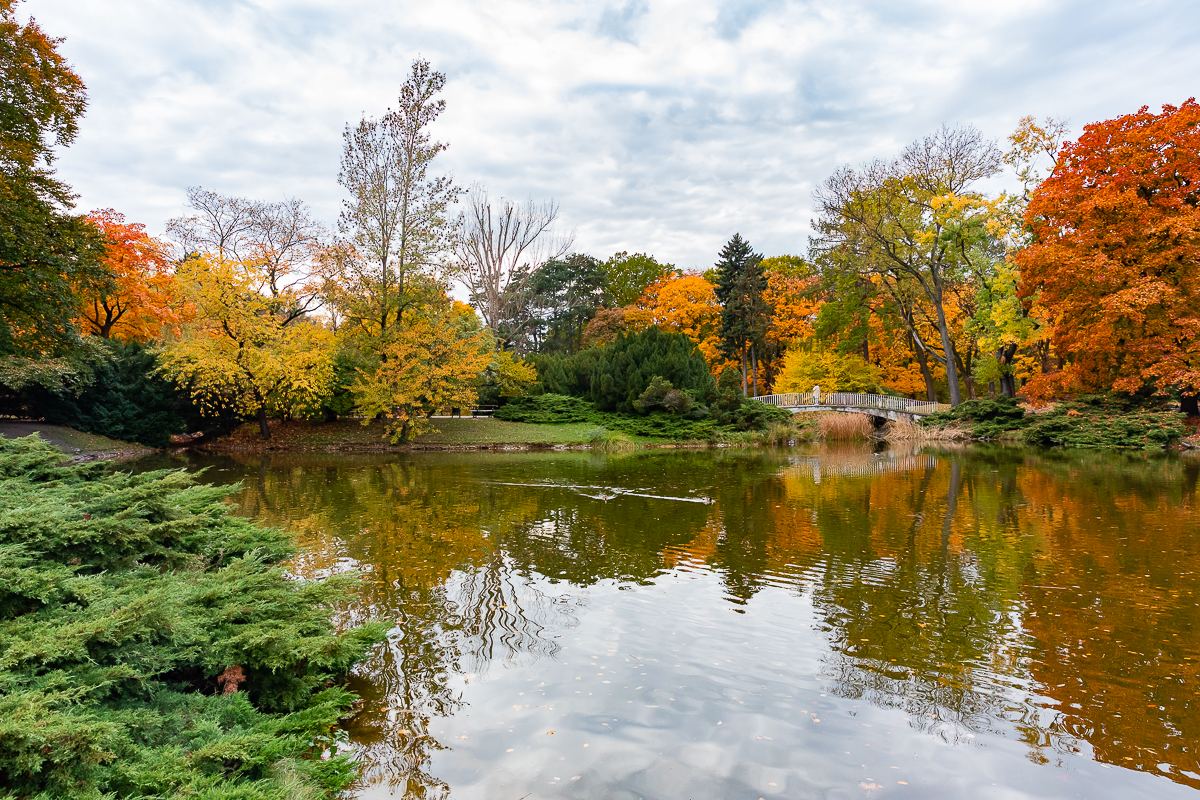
{"x": 987, "y": 418}
{"x": 1091, "y": 427}
{"x": 153, "y": 644}
{"x": 126, "y": 398}
{"x": 542, "y": 409}
{"x": 614, "y": 376}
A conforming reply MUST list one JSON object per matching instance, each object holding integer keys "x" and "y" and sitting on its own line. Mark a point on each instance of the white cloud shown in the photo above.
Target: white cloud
{"x": 659, "y": 125}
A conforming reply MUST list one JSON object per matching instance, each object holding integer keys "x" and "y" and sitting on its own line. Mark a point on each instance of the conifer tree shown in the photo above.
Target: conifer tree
{"x": 745, "y": 314}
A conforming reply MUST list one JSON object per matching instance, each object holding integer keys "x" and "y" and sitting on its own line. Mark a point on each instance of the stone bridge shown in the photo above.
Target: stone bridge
{"x": 875, "y": 405}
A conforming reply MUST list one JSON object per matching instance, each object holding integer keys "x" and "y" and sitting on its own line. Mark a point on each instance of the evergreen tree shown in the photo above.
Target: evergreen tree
{"x": 745, "y": 313}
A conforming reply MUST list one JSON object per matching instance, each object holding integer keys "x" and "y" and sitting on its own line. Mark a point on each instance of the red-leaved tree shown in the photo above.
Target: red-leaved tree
{"x": 1115, "y": 255}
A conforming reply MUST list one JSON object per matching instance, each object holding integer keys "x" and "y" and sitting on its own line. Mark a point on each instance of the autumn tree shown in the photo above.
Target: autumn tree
{"x": 140, "y": 299}
{"x": 432, "y": 362}
{"x": 279, "y": 242}
{"x": 1115, "y": 255}
{"x": 497, "y": 248}
{"x": 241, "y": 352}
{"x": 396, "y": 218}
{"x": 917, "y": 224}
{"x": 682, "y": 303}
{"x": 46, "y": 252}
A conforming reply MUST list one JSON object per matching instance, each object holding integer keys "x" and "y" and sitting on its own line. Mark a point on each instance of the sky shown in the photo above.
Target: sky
{"x": 658, "y": 126}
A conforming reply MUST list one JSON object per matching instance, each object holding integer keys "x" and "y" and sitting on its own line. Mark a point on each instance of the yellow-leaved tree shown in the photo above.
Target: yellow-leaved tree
{"x": 833, "y": 372}
{"x": 431, "y": 361}
{"x": 243, "y": 351}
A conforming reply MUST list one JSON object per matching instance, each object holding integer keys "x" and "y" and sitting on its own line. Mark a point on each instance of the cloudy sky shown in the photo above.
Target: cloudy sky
{"x": 660, "y": 126}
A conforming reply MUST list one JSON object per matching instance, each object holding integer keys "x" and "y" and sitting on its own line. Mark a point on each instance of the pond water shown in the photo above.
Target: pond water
{"x": 822, "y": 623}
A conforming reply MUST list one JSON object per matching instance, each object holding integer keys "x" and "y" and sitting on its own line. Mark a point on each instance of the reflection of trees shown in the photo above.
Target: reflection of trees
{"x": 504, "y": 617}
{"x": 1057, "y": 600}
{"x": 981, "y": 590}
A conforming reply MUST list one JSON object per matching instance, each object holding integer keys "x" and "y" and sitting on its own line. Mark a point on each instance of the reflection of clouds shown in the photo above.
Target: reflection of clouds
{"x": 504, "y": 616}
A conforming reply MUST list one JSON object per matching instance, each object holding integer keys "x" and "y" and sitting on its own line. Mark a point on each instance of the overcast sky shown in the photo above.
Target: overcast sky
{"x": 660, "y": 126}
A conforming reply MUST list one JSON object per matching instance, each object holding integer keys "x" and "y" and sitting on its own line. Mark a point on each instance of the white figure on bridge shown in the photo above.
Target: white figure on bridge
{"x": 817, "y": 395}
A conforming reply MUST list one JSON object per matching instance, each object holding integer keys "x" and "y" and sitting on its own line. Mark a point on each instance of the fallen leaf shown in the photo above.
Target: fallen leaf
{"x": 577, "y": 777}
{"x": 547, "y": 733}
{"x": 509, "y": 750}
{"x": 869, "y": 786}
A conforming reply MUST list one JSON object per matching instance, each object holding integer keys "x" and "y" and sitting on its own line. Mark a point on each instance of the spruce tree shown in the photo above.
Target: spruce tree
{"x": 745, "y": 313}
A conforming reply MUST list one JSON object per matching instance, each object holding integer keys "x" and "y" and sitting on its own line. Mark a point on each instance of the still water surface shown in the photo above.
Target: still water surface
{"x": 824, "y": 623}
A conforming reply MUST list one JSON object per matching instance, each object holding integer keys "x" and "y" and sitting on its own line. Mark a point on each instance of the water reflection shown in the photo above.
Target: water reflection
{"x": 1023, "y": 615}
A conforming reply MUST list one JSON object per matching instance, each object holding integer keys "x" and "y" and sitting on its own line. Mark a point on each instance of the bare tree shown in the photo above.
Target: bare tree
{"x": 279, "y": 243}
{"x": 496, "y": 250}
{"x": 396, "y": 214}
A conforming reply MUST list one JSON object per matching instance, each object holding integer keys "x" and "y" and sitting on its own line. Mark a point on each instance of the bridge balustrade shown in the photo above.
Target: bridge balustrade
{"x": 853, "y": 400}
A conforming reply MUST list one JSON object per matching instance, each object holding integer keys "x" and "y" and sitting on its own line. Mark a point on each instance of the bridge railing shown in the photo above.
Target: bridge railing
{"x": 854, "y": 400}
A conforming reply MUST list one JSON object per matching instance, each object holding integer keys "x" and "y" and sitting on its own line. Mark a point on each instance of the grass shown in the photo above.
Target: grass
{"x": 906, "y": 431}
{"x": 837, "y": 426}
{"x": 69, "y": 440}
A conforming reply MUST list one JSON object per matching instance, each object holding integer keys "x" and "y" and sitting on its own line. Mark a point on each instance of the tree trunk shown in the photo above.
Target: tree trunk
{"x": 951, "y": 357}
{"x": 743, "y": 370}
{"x": 923, "y": 363}
{"x": 1008, "y": 385}
{"x": 263, "y": 427}
{"x": 1190, "y": 404}
{"x": 754, "y": 359}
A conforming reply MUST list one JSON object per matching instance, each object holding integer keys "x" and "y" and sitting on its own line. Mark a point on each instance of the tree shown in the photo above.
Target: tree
{"x": 239, "y": 353}
{"x": 684, "y": 304}
{"x": 46, "y": 253}
{"x": 396, "y": 216}
{"x": 745, "y": 314}
{"x": 1115, "y": 255}
{"x": 566, "y": 292}
{"x": 915, "y": 223}
{"x": 281, "y": 242}
{"x": 496, "y": 253}
{"x": 433, "y": 362}
{"x": 804, "y": 368}
{"x": 627, "y": 276}
{"x": 140, "y": 300}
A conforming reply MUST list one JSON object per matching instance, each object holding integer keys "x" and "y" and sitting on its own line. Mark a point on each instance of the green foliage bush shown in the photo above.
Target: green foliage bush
{"x": 1093, "y": 421}
{"x": 614, "y": 376}
{"x": 124, "y": 601}
{"x": 987, "y": 418}
{"x": 125, "y": 398}
{"x": 542, "y": 409}
{"x": 1107, "y": 422}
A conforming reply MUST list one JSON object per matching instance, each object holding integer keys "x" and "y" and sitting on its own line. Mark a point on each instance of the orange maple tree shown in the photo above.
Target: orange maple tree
{"x": 1115, "y": 255}
{"x": 140, "y": 299}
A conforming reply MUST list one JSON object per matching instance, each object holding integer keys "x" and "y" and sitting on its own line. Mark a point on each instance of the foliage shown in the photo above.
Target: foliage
{"x": 833, "y": 372}
{"x": 986, "y": 418}
{"x": 46, "y": 252}
{"x": 660, "y": 394}
{"x": 625, "y": 368}
{"x": 1115, "y": 255}
{"x": 431, "y": 363}
{"x": 566, "y": 292}
{"x": 604, "y": 327}
{"x": 547, "y": 408}
{"x": 240, "y": 353}
{"x": 627, "y": 276}
{"x": 1096, "y": 421}
{"x": 126, "y": 398}
{"x": 140, "y": 299}
{"x": 153, "y": 644}
{"x": 396, "y": 216}
{"x": 506, "y": 375}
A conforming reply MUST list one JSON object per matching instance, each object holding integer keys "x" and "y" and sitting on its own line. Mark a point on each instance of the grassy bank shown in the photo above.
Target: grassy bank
{"x": 79, "y": 446}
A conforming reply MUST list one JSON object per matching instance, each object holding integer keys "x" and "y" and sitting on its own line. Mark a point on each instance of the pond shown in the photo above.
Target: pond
{"x": 806, "y": 623}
